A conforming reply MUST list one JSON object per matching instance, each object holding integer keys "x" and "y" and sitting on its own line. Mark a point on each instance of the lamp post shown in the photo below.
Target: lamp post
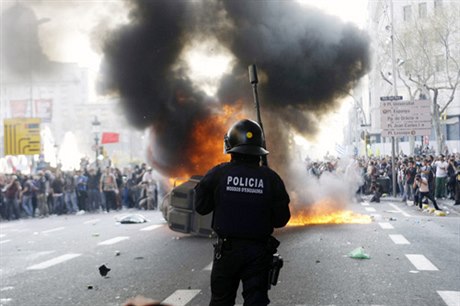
{"x": 96, "y": 124}
{"x": 395, "y": 92}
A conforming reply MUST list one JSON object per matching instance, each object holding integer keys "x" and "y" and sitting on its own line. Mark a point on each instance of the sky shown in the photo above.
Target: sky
{"x": 349, "y": 11}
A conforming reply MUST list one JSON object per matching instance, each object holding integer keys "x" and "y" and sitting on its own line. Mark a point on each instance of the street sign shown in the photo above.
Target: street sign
{"x": 22, "y": 136}
{"x": 405, "y": 118}
{"x": 391, "y": 98}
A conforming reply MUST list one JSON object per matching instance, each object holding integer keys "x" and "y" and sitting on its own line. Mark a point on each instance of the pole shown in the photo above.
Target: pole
{"x": 96, "y": 140}
{"x": 254, "y": 80}
{"x": 395, "y": 92}
{"x": 96, "y": 125}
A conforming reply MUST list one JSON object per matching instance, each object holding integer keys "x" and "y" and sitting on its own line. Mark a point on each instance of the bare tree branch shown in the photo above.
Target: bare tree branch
{"x": 385, "y": 78}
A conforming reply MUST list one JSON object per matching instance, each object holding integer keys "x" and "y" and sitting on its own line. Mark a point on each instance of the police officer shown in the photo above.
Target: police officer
{"x": 248, "y": 201}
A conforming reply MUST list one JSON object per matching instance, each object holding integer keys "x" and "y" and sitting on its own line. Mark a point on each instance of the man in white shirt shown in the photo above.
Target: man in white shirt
{"x": 441, "y": 174}
{"x": 148, "y": 176}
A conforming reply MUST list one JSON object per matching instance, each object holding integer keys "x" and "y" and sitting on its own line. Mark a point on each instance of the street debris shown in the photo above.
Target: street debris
{"x": 103, "y": 270}
{"x": 393, "y": 219}
{"x": 358, "y": 253}
{"x": 132, "y": 219}
{"x": 440, "y": 213}
{"x": 431, "y": 210}
{"x": 141, "y": 300}
{"x": 117, "y": 253}
{"x": 90, "y": 287}
{"x": 95, "y": 234}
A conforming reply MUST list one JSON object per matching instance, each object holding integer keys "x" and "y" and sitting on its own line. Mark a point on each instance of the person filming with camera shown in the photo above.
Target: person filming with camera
{"x": 422, "y": 183}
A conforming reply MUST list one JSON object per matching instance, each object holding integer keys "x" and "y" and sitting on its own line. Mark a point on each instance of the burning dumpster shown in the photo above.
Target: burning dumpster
{"x": 178, "y": 209}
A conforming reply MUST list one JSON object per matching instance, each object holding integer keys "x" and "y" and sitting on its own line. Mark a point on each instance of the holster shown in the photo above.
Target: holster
{"x": 277, "y": 262}
{"x": 274, "y": 272}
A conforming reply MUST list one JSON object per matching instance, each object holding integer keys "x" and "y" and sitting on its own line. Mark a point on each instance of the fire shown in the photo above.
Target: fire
{"x": 208, "y": 137}
{"x": 176, "y": 181}
{"x": 326, "y": 212}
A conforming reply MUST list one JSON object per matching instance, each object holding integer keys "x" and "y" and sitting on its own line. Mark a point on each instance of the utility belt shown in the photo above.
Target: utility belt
{"x": 271, "y": 243}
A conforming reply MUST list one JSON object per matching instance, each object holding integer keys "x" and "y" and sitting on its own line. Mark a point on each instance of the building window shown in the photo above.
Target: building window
{"x": 407, "y": 10}
{"x": 422, "y": 10}
{"x": 453, "y": 130}
{"x": 437, "y": 5}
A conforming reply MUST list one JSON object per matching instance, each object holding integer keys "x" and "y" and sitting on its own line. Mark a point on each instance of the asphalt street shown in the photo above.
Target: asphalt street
{"x": 414, "y": 260}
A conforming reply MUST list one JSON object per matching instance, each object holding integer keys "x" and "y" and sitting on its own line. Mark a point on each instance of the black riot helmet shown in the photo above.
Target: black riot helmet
{"x": 245, "y": 137}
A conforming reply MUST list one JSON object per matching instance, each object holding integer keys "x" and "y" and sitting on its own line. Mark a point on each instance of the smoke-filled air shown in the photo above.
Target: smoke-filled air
{"x": 306, "y": 61}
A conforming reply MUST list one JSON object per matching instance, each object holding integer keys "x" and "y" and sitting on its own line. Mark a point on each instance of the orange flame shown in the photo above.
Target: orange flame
{"x": 176, "y": 181}
{"x": 326, "y": 212}
{"x": 208, "y": 139}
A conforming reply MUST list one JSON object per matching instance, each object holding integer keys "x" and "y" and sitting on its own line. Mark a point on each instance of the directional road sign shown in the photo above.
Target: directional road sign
{"x": 405, "y": 118}
{"x": 22, "y": 136}
{"x": 391, "y": 98}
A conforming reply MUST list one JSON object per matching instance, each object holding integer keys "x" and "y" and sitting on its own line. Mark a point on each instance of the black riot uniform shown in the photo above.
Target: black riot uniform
{"x": 248, "y": 201}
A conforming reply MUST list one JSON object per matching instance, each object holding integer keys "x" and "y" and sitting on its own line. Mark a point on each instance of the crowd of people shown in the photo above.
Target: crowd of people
{"x": 418, "y": 178}
{"x": 90, "y": 189}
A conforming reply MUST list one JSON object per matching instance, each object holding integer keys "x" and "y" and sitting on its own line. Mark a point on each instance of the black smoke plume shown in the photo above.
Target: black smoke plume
{"x": 306, "y": 61}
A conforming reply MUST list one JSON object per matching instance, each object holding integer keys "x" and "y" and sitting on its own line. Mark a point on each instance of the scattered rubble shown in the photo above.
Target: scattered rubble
{"x": 358, "y": 253}
{"x": 103, "y": 270}
{"x": 132, "y": 219}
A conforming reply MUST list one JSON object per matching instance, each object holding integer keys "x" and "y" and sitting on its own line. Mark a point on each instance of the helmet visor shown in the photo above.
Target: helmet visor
{"x": 249, "y": 150}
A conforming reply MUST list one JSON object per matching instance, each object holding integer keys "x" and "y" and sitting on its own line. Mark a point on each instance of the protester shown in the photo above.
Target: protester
{"x": 82, "y": 191}
{"x": 57, "y": 188}
{"x": 26, "y": 194}
{"x": 70, "y": 196}
{"x": 457, "y": 186}
{"x": 422, "y": 183}
{"x": 94, "y": 194}
{"x": 451, "y": 171}
{"x": 411, "y": 171}
{"x": 43, "y": 190}
{"x": 11, "y": 194}
{"x": 441, "y": 166}
{"x": 108, "y": 185}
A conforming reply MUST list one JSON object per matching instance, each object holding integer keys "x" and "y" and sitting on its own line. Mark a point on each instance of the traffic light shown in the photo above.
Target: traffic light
{"x": 366, "y": 137}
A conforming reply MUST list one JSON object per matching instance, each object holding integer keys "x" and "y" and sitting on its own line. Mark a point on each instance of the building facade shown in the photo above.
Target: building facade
{"x": 410, "y": 41}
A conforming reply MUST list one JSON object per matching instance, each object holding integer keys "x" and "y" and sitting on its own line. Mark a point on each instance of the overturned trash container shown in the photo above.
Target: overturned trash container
{"x": 178, "y": 208}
